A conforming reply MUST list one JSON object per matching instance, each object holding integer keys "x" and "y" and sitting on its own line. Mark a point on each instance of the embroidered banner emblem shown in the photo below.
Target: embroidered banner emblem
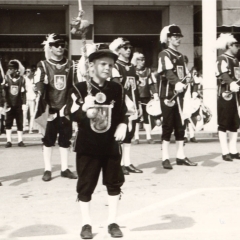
{"x": 14, "y": 90}
{"x": 102, "y": 121}
{"x": 237, "y": 73}
{"x": 60, "y": 82}
{"x": 180, "y": 72}
{"x": 130, "y": 82}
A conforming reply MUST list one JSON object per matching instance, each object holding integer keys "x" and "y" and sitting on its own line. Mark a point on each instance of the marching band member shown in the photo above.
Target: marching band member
{"x": 53, "y": 84}
{"x": 102, "y": 123}
{"x": 15, "y": 97}
{"x": 172, "y": 70}
{"x": 124, "y": 73}
{"x": 147, "y": 84}
{"x": 228, "y": 73}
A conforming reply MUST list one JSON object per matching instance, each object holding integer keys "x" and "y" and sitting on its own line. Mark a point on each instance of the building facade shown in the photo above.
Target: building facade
{"x": 27, "y": 22}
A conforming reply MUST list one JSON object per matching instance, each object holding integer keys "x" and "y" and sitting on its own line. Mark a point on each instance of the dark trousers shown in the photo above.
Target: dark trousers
{"x": 14, "y": 113}
{"x": 228, "y": 119}
{"x": 61, "y": 126}
{"x": 144, "y": 106}
{"x": 171, "y": 122}
{"x": 89, "y": 168}
{"x": 130, "y": 134}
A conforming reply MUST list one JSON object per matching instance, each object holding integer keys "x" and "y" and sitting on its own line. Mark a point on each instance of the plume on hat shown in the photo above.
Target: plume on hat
{"x": 49, "y": 39}
{"x": 21, "y": 68}
{"x": 81, "y": 68}
{"x": 136, "y": 55}
{"x": 224, "y": 39}
{"x": 164, "y": 33}
{"x": 114, "y": 46}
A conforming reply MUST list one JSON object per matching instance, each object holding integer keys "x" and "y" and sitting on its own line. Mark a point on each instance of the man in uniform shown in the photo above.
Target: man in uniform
{"x": 172, "y": 69}
{"x": 102, "y": 123}
{"x": 15, "y": 97}
{"x": 228, "y": 73}
{"x": 147, "y": 86}
{"x": 125, "y": 74}
{"x": 53, "y": 84}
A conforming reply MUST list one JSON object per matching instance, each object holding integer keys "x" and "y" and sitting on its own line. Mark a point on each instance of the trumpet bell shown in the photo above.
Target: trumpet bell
{"x": 227, "y": 95}
{"x": 169, "y": 103}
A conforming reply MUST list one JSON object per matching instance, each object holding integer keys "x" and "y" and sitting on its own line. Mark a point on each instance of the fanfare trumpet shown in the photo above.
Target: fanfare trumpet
{"x": 228, "y": 95}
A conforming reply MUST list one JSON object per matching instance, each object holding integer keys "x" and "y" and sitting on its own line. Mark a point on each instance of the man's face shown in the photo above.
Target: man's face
{"x": 28, "y": 72}
{"x": 12, "y": 71}
{"x": 234, "y": 48}
{"x": 125, "y": 51}
{"x": 174, "y": 41}
{"x": 141, "y": 62}
{"x": 102, "y": 67}
{"x": 57, "y": 49}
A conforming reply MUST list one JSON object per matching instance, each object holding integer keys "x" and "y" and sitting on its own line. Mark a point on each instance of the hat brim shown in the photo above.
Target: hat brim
{"x": 101, "y": 54}
{"x": 176, "y": 34}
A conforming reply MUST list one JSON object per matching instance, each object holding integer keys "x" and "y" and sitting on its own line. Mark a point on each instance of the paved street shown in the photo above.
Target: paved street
{"x": 186, "y": 203}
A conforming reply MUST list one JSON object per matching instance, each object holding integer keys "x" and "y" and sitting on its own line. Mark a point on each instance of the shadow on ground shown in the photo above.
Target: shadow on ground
{"x": 174, "y": 222}
{"x": 206, "y": 160}
{"x": 24, "y": 177}
{"x": 38, "y": 230}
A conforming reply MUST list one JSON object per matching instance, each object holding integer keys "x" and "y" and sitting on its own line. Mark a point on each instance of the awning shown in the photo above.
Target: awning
{"x": 228, "y": 13}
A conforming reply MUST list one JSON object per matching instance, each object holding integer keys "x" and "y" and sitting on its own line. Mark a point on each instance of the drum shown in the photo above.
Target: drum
{"x": 153, "y": 108}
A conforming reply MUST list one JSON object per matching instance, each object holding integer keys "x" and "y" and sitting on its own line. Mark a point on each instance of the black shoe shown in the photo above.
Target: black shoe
{"x": 47, "y": 176}
{"x": 150, "y": 141}
{"x": 21, "y": 144}
{"x": 125, "y": 171}
{"x": 185, "y": 140}
{"x": 166, "y": 164}
{"x": 185, "y": 161}
{"x": 114, "y": 230}
{"x": 8, "y": 145}
{"x": 227, "y": 158}
{"x": 86, "y": 232}
{"x": 136, "y": 142}
{"x": 133, "y": 169}
{"x": 68, "y": 174}
{"x": 235, "y": 156}
{"x": 0, "y": 184}
{"x": 193, "y": 140}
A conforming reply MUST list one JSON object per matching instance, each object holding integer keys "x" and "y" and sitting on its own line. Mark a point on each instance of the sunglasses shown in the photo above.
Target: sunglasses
{"x": 57, "y": 45}
{"x": 126, "y": 48}
{"x": 28, "y": 71}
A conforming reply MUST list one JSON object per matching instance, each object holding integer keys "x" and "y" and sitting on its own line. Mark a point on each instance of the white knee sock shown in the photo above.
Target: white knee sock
{"x": 112, "y": 208}
{"x": 165, "y": 154}
{"x": 147, "y": 128}
{"x": 64, "y": 158}
{"x": 223, "y": 142}
{"x": 180, "y": 149}
{"x": 20, "y": 134}
{"x": 191, "y": 130}
{"x": 126, "y": 149}
{"x": 85, "y": 212}
{"x": 9, "y": 134}
{"x": 136, "y": 134}
{"x": 47, "y": 155}
{"x": 233, "y": 142}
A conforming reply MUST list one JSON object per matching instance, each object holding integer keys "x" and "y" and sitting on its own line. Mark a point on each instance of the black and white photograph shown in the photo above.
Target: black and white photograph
{"x": 119, "y": 119}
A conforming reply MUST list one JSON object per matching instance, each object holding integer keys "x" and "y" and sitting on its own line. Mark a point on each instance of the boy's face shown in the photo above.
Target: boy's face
{"x": 174, "y": 41}
{"x": 28, "y": 72}
{"x": 102, "y": 67}
{"x": 12, "y": 70}
{"x": 141, "y": 62}
{"x": 57, "y": 49}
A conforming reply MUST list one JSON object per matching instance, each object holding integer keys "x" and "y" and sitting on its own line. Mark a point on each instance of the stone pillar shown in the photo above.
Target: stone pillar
{"x": 209, "y": 61}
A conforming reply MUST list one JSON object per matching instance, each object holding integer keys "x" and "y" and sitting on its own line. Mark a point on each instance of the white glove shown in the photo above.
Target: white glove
{"x": 194, "y": 95}
{"x": 120, "y": 132}
{"x": 1, "y": 108}
{"x": 179, "y": 87}
{"x": 156, "y": 97}
{"x": 88, "y": 102}
{"x": 140, "y": 110}
{"x": 24, "y": 107}
{"x": 234, "y": 87}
